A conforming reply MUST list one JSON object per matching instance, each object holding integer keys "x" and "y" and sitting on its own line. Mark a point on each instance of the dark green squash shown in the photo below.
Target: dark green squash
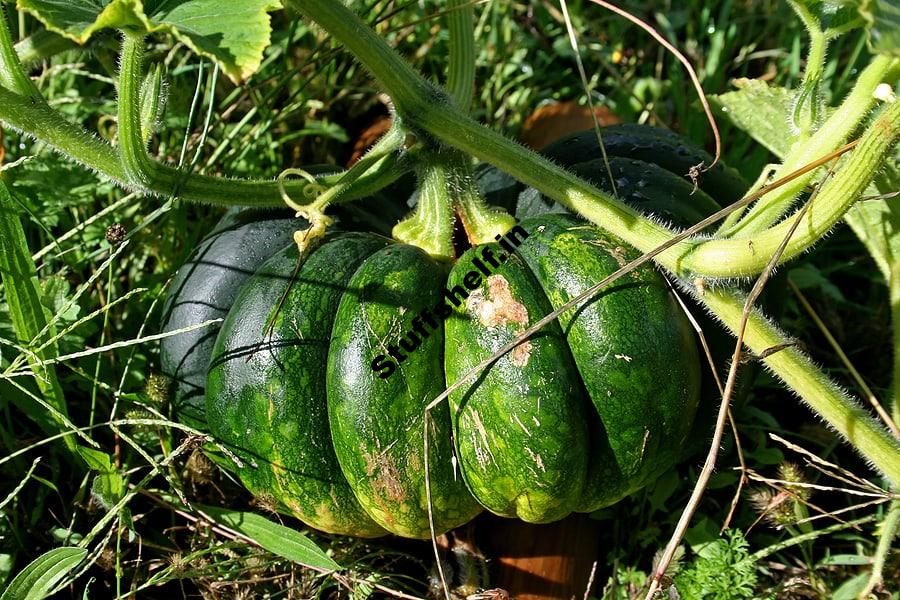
{"x": 520, "y": 426}
{"x": 265, "y": 393}
{"x": 377, "y": 423}
{"x": 321, "y": 406}
{"x": 572, "y": 419}
{"x": 634, "y": 349}
{"x": 203, "y": 289}
{"x": 655, "y": 145}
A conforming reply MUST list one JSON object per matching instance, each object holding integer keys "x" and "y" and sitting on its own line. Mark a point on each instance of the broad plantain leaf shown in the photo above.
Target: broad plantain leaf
{"x": 275, "y": 538}
{"x": 760, "y": 110}
{"x": 38, "y": 579}
{"x": 233, "y": 34}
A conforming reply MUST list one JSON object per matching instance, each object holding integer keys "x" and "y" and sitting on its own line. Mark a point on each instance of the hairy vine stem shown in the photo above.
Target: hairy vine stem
{"x": 35, "y": 118}
{"x": 138, "y": 165}
{"x": 833, "y": 132}
{"x": 795, "y": 369}
{"x": 430, "y": 226}
{"x": 481, "y": 221}
{"x": 23, "y": 108}
{"x": 461, "y": 72}
{"x": 426, "y": 107}
{"x": 715, "y": 258}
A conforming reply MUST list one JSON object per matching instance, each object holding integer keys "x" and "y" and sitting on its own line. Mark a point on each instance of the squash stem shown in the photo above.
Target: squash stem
{"x": 745, "y": 256}
{"x": 461, "y": 72}
{"x": 385, "y": 152}
{"x": 482, "y": 223}
{"x": 805, "y": 113}
{"x": 835, "y": 131}
{"x": 386, "y": 147}
{"x": 430, "y": 227}
{"x": 139, "y": 167}
{"x": 797, "y": 371}
{"x": 23, "y": 109}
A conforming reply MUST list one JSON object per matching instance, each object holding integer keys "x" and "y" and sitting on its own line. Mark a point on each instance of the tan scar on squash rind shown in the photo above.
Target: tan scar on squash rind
{"x": 499, "y": 307}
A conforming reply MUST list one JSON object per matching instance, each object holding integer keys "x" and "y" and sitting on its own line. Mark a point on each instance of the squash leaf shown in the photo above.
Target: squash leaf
{"x": 877, "y": 222}
{"x": 762, "y": 111}
{"x": 38, "y": 579}
{"x": 275, "y": 538}
{"x": 882, "y": 24}
{"x": 233, "y": 34}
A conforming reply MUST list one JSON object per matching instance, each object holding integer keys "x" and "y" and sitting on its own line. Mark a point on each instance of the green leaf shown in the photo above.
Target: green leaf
{"x": 233, "y": 34}
{"x": 275, "y": 538}
{"x": 56, "y": 298}
{"x": 26, "y": 310}
{"x": 883, "y": 25}
{"x": 663, "y": 489}
{"x": 853, "y": 560}
{"x": 78, "y": 20}
{"x": 6, "y": 563}
{"x": 851, "y": 588}
{"x": 877, "y": 222}
{"x": 37, "y": 580}
{"x": 762, "y": 111}
{"x": 96, "y": 460}
{"x": 832, "y": 16}
{"x": 108, "y": 485}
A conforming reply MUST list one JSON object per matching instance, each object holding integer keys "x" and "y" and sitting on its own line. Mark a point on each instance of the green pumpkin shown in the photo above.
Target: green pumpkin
{"x": 321, "y": 373}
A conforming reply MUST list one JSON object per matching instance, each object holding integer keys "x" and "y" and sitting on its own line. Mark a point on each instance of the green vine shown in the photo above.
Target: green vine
{"x": 461, "y": 72}
{"x": 828, "y": 138}
{"x": 138, "y": 166}
{"x": 26, "y": 111}
{"x": 483, "y": 223}
{"x": 717, "y": 258}
{"x": 37, "y": 119}
{"x": 12, "y": 74}
{"x": 806, "y": 107}
{"x": 797, "y": 371}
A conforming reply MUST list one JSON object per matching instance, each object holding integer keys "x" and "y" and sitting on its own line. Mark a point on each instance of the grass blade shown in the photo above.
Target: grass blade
{"x": 29, "y": 317}
{"x": 275, "y": 538}
{"x": 37, "y": 579}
